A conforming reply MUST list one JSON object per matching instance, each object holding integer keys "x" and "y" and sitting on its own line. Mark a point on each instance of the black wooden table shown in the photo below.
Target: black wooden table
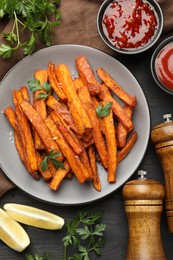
{"x": 114, "y": 217}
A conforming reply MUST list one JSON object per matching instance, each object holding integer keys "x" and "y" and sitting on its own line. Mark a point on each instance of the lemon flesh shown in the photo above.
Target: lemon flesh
{"x": 33, "y": 216}
{"x": 12, "y": 233}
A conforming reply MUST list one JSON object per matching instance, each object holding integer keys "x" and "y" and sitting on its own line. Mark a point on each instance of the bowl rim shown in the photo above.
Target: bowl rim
{"x": 157, "y": 10}
{"x": 161, "y": 45}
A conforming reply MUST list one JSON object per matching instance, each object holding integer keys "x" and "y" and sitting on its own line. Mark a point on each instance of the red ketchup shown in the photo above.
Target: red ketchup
{"x": 164, "y": 66}
{"x": 129, "y": 23}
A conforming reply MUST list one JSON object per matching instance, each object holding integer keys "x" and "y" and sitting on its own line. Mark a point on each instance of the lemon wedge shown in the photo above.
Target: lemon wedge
{"x": 12, "y": 233}
{"x": 33, "y": 216}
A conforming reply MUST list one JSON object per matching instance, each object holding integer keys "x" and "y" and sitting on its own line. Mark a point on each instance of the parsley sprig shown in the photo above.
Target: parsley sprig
{"x": 28, "y": 15}
{"x": 103, "y": 111}
{"x": 45, "y": 256}
{"x": 52, "y": 158}
{"x": 35, "y": 85}
{"x": 87, "y": 228}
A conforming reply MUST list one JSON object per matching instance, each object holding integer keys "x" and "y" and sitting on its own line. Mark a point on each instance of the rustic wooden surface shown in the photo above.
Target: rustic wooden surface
{"x": 113, "y": 205}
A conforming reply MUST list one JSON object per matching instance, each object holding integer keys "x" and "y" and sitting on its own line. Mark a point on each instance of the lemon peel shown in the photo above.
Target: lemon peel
{"x": 12, "y": 233}
{"x": 34, "y": 216}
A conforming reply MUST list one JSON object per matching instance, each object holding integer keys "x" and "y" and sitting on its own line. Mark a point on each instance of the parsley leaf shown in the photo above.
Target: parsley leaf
{"x": 103, "y": 111}
{"x": 44, "y": 164}
{"x": 34, "y": 85}
{"x": 6, "y": 50}
{"x": 34, "y": 17}
{"x": 52, "y": 158}
{"x": 11, "y": 37}
{"x": 84, "y": 234}
{"x": 30, "y": 46}
{"x": 45, "y": 256}
{"x": 42, "y": 95}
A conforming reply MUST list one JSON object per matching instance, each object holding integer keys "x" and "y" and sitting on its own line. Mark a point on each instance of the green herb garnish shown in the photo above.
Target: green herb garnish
{"x": 34, "y": 16}
{"x": 85, "y": 234}
{"x": 34, "y": 85}
{"x": 52, "y": 158}
{"x": 103, "y": 111}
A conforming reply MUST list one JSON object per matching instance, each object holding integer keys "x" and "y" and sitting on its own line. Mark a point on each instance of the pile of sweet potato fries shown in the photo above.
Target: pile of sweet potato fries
{"x": 66, "y": 123}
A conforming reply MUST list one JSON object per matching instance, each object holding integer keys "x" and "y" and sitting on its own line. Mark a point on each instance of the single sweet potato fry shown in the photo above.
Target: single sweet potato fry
{"x": 74, "y": 161}
{"x": 59, "y": 175}
{"x": 26, "y": 134}
{"x": 87, "y": 123}
{"x": 87, "y": 75}
{"x": 127, "y": 148}
{"x": 55, "y": 105}
{"x": 12, "y": 118}
{"x": 111, "y": 144}
{"x": 17, "y": 99}
{"x": 85, "y": 97}
{"x": 92, "y": 158}
{"x": 96, "y": 103}
{"x": 74, "y": 103}
{"x": 25, "y": 93}
{"x": 40, "y": 105}
{"x": 69, "y": 136}
{"x": 84, "y": 157}
{"x": 116, "y": 108}
{"x": 116, "y": 88}
{"x": 77, "y": 117}
{"x": 55, "y": 84}
{"x": 121, "y": 130}
{"x": 19, "y": 147}
{"x": 41, "y": 75}
{"x": 39, "y": 124}
{"x": 86, "y": 136}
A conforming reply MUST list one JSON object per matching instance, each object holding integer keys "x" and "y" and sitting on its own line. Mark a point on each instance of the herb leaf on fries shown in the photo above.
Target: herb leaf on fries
{"x": 103, "y": 111}
{"x": 52, "y": 158}
{"x": 35, "y": 86}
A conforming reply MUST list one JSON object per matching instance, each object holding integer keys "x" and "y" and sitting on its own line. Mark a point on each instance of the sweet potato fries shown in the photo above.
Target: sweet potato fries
{"x": 72, "y": 124}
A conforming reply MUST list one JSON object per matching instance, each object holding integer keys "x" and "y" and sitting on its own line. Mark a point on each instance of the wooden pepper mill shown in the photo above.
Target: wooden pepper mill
{"x": 162, "y": 137}
{"x": 143, "y": 207}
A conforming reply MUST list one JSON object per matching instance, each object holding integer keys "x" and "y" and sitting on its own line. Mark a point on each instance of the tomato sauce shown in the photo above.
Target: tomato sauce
{"x": 129, "y": 23}
{"x": 164, "y": 66}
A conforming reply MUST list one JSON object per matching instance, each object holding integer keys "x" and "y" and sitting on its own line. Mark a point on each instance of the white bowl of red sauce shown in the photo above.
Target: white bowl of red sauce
{"x": 130, "y": 26}
{"x": 162, "y": 65}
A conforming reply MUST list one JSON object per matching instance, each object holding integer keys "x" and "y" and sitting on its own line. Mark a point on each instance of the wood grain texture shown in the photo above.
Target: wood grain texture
{"x": 143, "y": 207}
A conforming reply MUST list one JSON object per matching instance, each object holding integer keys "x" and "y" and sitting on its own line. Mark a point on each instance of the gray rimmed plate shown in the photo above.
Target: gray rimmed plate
{"x": 70, "y": 191}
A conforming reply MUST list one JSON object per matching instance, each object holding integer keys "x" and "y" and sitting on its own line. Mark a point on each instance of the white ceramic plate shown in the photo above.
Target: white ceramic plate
{"x": 70, "y": 191}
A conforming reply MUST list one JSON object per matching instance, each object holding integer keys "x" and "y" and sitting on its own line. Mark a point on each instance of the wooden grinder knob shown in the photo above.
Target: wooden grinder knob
{"x": 143, "y": 207}
{"x": 162, "y": 137}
